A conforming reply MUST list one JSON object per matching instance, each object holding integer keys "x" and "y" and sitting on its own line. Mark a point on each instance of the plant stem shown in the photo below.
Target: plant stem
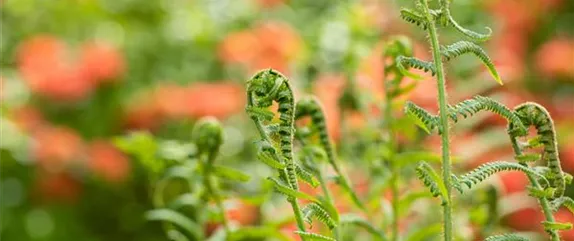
{"x": 545, "y": 208}
{"x": 211, "y": 190}
{"x": 394, "y": 181}
{"x": 444, "y": 125}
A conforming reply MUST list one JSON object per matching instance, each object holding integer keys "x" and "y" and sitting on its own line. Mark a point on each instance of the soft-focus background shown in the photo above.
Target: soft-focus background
{"x": 77, "y": 74}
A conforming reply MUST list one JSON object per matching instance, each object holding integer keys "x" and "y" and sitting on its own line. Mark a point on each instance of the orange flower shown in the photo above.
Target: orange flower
{"x": 513, "y": 182}
{"x": 107, "y": 161}
{"x": 28, "y": 118}
{"x": 143, "y": 113}
{"x": 215, "y": 99}
{"x": 269, "y": 3}
{"x": 556, "y": 58}
{"x": 526, "y": 219}
{"x": 267, "y": 45}
{"x": 55, "y": 148}
{"x": 241, "y": 212}
{"x": 47, "y": 70}
{"x": 173, "y": 101}
{"x": 101, "y": 63}
{"x": 57, "y": 187}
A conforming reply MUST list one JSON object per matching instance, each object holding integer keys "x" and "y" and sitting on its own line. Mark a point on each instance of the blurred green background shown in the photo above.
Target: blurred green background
{"x": 77, "y": 74}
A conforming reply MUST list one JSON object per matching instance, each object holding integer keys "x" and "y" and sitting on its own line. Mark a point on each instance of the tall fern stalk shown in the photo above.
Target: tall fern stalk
{"x": 444, "y": 125}
{"x": 547, "y": 183}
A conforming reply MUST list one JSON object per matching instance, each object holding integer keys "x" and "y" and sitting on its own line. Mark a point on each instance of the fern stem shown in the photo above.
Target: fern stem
{"x": 545, "y": 208}
{"x": 213, "y": 192}
{"x": 394, "y": 181}
{"x": 444, "y": 125}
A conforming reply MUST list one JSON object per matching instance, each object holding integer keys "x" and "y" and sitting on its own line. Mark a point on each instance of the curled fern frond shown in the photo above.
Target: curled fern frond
{"x": 506, "y": 237}
{"x": 414, "y": 17}
{"x": 563, "y": 201}
{"x": 486, "y": 170}
{"x": 540, "y": 192}
{"x": 421, "y": 117}
{"x": 532, "y": 114}
{"x": 472, "y": 106}
{"x": 432, "y": 180}
{"x": 310, "y": 106}
{"x": 314, "y": 210}
{"x": 462, "y": 47}
{"x": 403, "y": 63}
{"x": 207, "y": 135}
{"x": 352, "y": 219}
{"x": 314, "y": 236}
{"x": 479, "y": 37}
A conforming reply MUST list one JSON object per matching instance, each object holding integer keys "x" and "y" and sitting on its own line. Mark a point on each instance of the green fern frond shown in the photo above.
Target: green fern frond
{"x": 462, "y": 47}
{"x": 456, "y": 183}
{"x": 540, "y": 192}
{"x": 314, "y": 236}
{"x": 486, "y": 170}
{"x": 479, "y": 37}
{"x": 257, "y": 233}
{"x": 506, "y": 237}
{"x": 270, "y": 160}
{"x": 352, "y": 219}
{"x": 563, "y": 201}
{"x": 528, "y": 157}
{"x": 306, "y": 176}
{"x": 421, "y": 117}
{"x": 552, "y": 226}
{"x": 472, "y": 106}
{"x": 260, "y": 113}
{"x": 314, "y": 210}
{"x": 414, "y": 17}
{"x": 432, "y": 180}
{"x": 178, "y": 219}
{"x": 230, "y": 173}
{"x": 403, "y": 63}
{"x": 287, "y": 191}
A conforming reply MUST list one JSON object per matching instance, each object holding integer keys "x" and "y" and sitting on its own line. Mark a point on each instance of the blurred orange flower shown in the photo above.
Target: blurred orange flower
{"x": 526, "y": 219}
{"x": 28, "y": 118}
{"x": 328, "y": 88}
{"x": 60, "y": 187}
{"x": 556, "y": 58}
{"x": 55, "y": 148}
{"x": 270, "y": 3}
{"x": 47, "y": 69}
{"x": 267, "y": 45}
{"x": 106, "y": 161}
{"x": 101, "y": 63}
{"x": 220, "y": 99}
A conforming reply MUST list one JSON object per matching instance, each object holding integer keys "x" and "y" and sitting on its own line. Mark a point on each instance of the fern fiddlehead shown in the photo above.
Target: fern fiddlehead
{"x": 262, "y": 89}
{"x": 208, "y": 136}
{"x": 311, "y": 107}
{"x": 532, "y": 114}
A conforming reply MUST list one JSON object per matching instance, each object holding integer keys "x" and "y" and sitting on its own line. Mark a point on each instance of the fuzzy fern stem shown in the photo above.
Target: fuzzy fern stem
{"x": 443, "y": 109}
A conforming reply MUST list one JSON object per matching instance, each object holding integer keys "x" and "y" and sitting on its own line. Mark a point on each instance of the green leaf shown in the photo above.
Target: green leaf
{"x": 270, "y": 160}
{"x": 183, "y": 200}
{"x": 425, "y": 233}
{"x": 463, "y": 47}
{"x": 283, "y": 189}
{"x": 314, "y": 236}
{"x": 314, "y": 210}
{"x": 170, "y": 216}
{"x": 306, "y": 176}
{"x": 506, "y": 237}
{"x": 230, "y": 173}
{"x": 556, "y": 226}
{"x": 353, "y": 219}
{"x": 432, "y": 180}
{"x": 406, "y": 158}
{"x": 256, "y": 233}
